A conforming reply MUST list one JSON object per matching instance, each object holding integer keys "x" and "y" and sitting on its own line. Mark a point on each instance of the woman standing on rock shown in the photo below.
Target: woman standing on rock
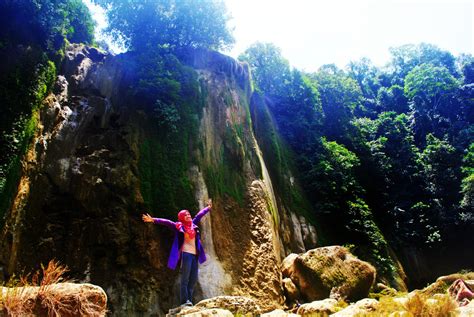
{"x": 186, "y": 247}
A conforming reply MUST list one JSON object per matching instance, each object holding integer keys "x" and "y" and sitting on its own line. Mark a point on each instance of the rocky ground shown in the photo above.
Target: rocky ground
{"x": 326, "y": 281}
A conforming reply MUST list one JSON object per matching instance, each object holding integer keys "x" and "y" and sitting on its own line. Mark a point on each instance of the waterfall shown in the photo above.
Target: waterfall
{"x": 212, "y": 278}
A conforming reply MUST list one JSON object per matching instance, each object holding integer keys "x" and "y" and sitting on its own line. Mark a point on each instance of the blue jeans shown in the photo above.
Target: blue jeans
{"x": 189, "y": 273}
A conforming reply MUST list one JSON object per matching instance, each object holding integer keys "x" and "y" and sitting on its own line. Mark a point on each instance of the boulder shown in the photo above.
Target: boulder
{"x": 210, "y": 312}
{"x": 360, "y": 308}
{"x": 278, "y": 313}
{"x": 320, "y": 307}
{"x": 235, "y": 304}
{"x": 291, "y": 291}
{"x": 62, "y": 299}
{"x": 287, "y": 265}
{"x": 329, "y": 272}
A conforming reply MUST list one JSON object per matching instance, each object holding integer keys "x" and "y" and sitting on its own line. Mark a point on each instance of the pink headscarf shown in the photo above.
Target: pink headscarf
{"x": 187, "y": 225}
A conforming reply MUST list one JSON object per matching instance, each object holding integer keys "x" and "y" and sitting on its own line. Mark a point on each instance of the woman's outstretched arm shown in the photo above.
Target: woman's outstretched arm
{"x": 159, "y": 221}
{"x": 203, "y": 212}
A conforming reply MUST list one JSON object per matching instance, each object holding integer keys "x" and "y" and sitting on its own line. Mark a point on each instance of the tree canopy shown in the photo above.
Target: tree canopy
{"x": 172, "y": 23}
{"x": 45, "y": 23}
{"x": 391, "y": 155}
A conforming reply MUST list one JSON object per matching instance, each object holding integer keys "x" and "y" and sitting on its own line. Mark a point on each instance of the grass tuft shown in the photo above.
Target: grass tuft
{"x": 40, "y": 294}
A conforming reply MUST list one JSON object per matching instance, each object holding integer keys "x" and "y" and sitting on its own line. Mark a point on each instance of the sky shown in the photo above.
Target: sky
{"x": 312, "y": 33}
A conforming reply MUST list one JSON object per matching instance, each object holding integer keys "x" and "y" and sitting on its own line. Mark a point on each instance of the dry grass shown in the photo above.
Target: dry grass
{"x": 41, "y": 295}
{"x": 415, "y": 305}
{"x": 422, "y": 305}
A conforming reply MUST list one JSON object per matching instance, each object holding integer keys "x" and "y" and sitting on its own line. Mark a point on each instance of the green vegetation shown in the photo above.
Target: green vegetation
{"x": 32, "y": 33}
{"x": 169, "y": 94}
{"x": 140, "y": 24}
{"x": 385, "y": 156}
{"x": 19, "y": 125}
{"x": 225, "y": 178}
{"x": 380, "y": 156}
{"x": 45, "y": 24}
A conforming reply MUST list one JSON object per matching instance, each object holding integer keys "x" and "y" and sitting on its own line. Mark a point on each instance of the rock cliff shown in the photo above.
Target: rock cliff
{"x": 96, "y": 163}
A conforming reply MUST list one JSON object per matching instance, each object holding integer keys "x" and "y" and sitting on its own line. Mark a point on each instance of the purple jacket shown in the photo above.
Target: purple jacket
{"x": 175, "y": 254}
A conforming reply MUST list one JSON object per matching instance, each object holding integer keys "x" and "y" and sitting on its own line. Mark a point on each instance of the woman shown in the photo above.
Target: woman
{"x": 187, "y": 247}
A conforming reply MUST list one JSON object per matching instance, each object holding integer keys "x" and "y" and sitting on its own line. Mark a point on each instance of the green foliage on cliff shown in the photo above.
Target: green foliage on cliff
{"x": 172, "y": 97}
{"x": 467, "y": 188}
{"x": 45, "y": 23}
{"x": 31, "y": 34}
{"x": 169, "y": 94}
{"x": 21, "y": 94}
{"x": 279, "y": 160}
{"x": 225, "y": 178}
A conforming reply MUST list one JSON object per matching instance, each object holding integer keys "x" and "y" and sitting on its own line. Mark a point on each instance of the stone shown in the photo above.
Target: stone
{"x": 212, "y": 312}
{"x": 330, "y": 271}
{"x": 287, "y": 265}
{"x": 291, "y": 291}
{"x": 310, "y": 237}
{"x": 67, "y": 299}
{"x": 364, "y": 306}
{"x": 278, "y": 313}
{"x": 236, "y": 304}
{"x": 320, "y": 307}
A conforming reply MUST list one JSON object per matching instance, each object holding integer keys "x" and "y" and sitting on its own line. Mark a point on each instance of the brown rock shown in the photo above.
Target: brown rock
{"x": 333, "y": 271}
{"x": 235, "y": 304}
{"x": 360, "y": 308}
{"x": 212, "y": 312}
{"x": 65, "y": 299}
{"x": 287, "y": 265}
{"x": 321, "y": 307}
{"x": 291, "y": 291}
{"x": 278, "y": 313}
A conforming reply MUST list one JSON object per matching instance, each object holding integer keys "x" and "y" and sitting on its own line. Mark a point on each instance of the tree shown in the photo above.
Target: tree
{"x": 298, "y": 113}
{"x": 406, "y": 57}
{"x": 429, "y": 83}
{"x": 340, "y": 96}
{"x": 466, "y": 65}
{"x": 441, "y": 164}
{"x": 467, "y": 189}
{"x": 46, "y": 23}
{"x": 431, "y": 91}
{"x": 270, "y": 70}
{"x": 293, "y": 97}
{"x": 143, "y": 24}
{"x": 332, "y": 177}
{"x": 392, "y": 99}
{"x": 365, "y": 73}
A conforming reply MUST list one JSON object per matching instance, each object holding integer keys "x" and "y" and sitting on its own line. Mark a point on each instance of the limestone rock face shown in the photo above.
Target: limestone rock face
{"x": 81, "y": 193}
{"x": 329, "y": 272}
